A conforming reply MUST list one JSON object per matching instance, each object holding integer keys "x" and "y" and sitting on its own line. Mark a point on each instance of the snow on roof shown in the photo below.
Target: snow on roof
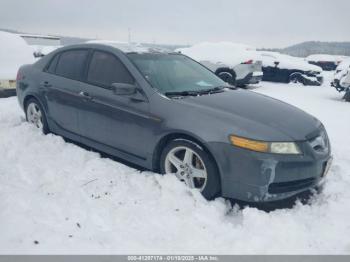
{"x": 286, "y": 61}
{"x": 42, "y": 50}
{"x": 325, "y": 57}
{"x": 40, "y": 36}
{"x": 14, "y": 52}
{"x": 227, "y": 53}
{"x": 123, "y": 46}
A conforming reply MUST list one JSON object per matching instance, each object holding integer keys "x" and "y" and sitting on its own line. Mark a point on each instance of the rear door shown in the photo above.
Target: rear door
{"x": 117, "y": 121}
{"x": 63, "y": 84}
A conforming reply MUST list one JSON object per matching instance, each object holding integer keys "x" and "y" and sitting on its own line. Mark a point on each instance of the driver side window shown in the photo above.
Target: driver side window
{"x": 106, "y": 69}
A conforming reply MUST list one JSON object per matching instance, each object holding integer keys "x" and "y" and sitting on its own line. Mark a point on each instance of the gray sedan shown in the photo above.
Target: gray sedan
{"x": 167, "y": 113}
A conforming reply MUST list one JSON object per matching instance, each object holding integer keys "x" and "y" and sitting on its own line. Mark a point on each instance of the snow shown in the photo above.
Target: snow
{"x": 232, "y": 54}
{"x": 326, "y": 57}
{"x": 287, "y": 61}
{"x": 14, "y": 52}
{"x": 72, "y": 200}
{"x": 44, "y": 49}
{"x": 342, "y": 73}
{"x": 345, "y": 64}
{"x": 227, "y": 53}
{"x": 124, "y": 46}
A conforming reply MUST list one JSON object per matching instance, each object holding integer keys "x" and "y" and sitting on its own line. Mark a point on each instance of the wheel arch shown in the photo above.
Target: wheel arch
{"x": 225, "y": 69}
{"x": 37, "y": 98}
{"x": 179, "y": 135}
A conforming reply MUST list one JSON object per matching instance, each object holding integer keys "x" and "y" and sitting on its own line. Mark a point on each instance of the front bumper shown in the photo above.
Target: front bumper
{"x": 312, "y": 80}
{"x": 261, "y": 177}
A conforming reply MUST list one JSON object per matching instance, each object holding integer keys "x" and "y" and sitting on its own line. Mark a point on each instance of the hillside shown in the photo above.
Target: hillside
{"x": 315, "y": 47}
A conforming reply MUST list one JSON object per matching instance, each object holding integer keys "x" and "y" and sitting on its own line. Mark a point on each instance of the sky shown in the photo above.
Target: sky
{"x": 261, "y": 23}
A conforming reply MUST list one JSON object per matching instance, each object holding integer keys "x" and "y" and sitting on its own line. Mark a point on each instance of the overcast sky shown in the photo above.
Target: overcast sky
{"x": 262, "y": 23}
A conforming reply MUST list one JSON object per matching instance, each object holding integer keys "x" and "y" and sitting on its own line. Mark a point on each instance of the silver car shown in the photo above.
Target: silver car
{"x": 236, "y": 64}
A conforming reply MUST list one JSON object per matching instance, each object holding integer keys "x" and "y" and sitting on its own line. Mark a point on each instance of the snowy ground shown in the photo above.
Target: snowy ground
{"x": 71, "y": 200}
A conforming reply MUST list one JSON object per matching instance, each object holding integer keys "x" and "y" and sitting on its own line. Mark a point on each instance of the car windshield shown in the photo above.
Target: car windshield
{"x": 175, "y": 73}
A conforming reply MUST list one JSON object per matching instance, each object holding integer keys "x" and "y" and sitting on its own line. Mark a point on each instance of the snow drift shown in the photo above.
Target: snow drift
{"x": 58, "y": 198}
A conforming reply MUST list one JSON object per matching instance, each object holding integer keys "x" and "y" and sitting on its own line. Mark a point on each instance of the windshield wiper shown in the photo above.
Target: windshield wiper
{"x": 217, "y": 89}
{"x": 182, "y": 93}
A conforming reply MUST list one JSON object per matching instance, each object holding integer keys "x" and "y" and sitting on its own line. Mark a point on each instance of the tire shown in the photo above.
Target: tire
{"x": 227, "y": 75}
{"x": 36, "y": 115}
{"x": 347, "y": 96}
{"x": 201, "y": 169}
{"x": 296, "y": 78}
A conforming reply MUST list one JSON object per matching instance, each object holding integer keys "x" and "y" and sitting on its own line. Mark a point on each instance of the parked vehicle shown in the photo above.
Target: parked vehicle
{"x": 344, "y": 65}
{"x": 14, "y": 52}
{"x": 285, "y": 69}
{"x": 341, "y": 80}
{"x": 170, "y": 114}
{"x": 326, "y": 62}
{"x": 236, "y": 64}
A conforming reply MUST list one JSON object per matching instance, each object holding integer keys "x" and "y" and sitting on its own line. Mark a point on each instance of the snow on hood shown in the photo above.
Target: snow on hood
{"x": 14, "y": 52}
{"x": 287, "y": 61}
{"x": 345, "y": 64}
{"x": 230, "y": 54}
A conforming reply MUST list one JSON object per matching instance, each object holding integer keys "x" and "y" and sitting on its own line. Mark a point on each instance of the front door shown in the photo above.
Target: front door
{"x": 116, "y": 121}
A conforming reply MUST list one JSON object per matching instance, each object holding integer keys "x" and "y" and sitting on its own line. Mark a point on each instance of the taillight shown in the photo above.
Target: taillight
{"x": 249, "y": 62}
{"x": 19, "y": 76}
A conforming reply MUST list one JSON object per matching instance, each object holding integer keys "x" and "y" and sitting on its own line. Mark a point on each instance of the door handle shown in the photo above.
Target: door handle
{"x": 85, "y": 95}
{"x": 46, "y": 84}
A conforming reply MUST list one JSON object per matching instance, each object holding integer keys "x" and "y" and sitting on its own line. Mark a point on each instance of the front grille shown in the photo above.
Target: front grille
{"x": 283, "y": 187}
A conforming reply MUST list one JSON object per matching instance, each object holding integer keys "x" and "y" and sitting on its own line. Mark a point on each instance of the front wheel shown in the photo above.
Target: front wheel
{"x": 227, "y": 75}
{"x": 296, "y": 78}
{"x": 191, "y": 165}
{"x": 36, "y": 115}
{"x": 347, "y": 95}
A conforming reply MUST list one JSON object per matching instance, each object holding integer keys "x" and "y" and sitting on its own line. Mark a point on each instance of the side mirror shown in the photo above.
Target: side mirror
{"x": 276, "y": 63}
{"x": 122, "y": 89}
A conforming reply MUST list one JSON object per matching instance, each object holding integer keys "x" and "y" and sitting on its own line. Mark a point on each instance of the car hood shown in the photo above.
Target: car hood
{"x": 255, "y": 116}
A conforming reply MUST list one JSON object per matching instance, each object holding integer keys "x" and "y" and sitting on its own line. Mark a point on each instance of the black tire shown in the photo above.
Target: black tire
{"x": 213, "y": 186}
{"x": 227, "y": 75}
{"x": 45, "y": 128}
{"x": 347, "y": 96}
{"x": 296, "y": 78}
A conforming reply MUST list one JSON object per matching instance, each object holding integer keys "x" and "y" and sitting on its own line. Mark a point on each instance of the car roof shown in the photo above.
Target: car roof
{"x": 119, "y": 46}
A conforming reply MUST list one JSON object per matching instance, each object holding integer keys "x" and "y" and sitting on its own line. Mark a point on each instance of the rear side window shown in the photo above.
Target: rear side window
{"x": 52, "y": 66}
{"x": 106, "y": 69}
{"x": 71, "y": 64}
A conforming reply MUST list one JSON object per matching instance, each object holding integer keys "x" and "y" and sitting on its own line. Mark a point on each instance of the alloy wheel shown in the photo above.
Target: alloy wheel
{"x": 34, "y": 115}
{"x": 188, "y": 167}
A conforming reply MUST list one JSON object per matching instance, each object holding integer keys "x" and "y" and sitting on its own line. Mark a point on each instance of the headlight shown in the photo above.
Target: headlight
{"x": 284, "y": 148}
{"x": 289, "y": 148}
